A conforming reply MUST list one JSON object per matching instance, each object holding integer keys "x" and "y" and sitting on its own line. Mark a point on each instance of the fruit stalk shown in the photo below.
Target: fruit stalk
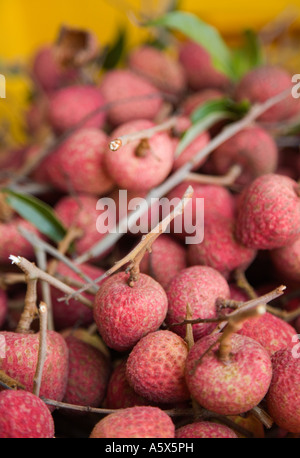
{"x": 42, "y": 349}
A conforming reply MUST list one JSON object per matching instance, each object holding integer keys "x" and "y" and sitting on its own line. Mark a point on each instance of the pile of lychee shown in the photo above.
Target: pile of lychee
{"x": 130, "y": 353}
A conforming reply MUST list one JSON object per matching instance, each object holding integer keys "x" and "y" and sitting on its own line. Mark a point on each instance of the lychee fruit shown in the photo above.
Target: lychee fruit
{"x": 137, "y": 166}
{"x": 191, "y": 150}
{"x": 21, "y": 354}
{"x": 130, "y": 97}
{"x": 287, "y": 260}
{"x": 197, "y": 99}
{"x": 78, "y": 163}
{"x": 219, "y": 248}
{"x": 283, "y": 398}
{"x": 233, "y": 388}
{"x": 135, "y": 422}
{"x": 88, "y": 375}
{"x": 73, "y": 312}
{"x": 166, "y": 259}
{"x": 268, "y": 212}
{"x": 270, "y": 331}
{"x": 155, "y": 367}
{"x": 205, "y": 430}
{"x": 23, "y": 415}
{"x": 124, "y": 314}
{"x": 200, "y": 287}
{"x": 70, "y": 105}
{"x": 13, "y": 242}
{"x": 262, "y": 83}
{"x": 253, "y": 149}
{"x": 3, "y": 307}
{"x": 199, "y": 68}
{"x": 159, "y": 68}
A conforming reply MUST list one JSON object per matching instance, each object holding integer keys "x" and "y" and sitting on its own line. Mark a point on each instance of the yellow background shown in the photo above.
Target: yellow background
{"x": 25, "y": 24}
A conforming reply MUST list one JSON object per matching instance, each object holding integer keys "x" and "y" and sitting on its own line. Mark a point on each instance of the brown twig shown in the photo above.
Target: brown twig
{"x": 30, "y": 268}
{"x": 72, "y": 234}
{"x": 30, "y": 308}
{"x": 42, "y": 264}
{"x": 242, "y": 283}
{"x": 10, "y": 382}
{"x": 37, "y": 380}
{"x": 225, "y": 180}
{"x": 189, "y": 337}
{"x": 263, "y": 416}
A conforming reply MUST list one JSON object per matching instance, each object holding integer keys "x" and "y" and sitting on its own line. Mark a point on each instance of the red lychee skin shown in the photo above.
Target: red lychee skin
{"x": 287, "y": 260}
{"x": 217, "y": 199}
{"x": 252, "y": 148}
{"x": 78, "y": 163}
{"x": 47, "y": 73}
{"x": 238, "y": 294}
{"x": 205, "y": 430}
{"x": 124, "y": 314}
{"x": 73, "y": 312}
{"x": 219, "y": 248}
{"x": 270, "y": 331}
{"x": 12, "y": 241}
{"x": 283, "y": 398}
{"x": 198, "y": 286}
{"x": 119, "y": 394}
{"x": 82, "y": 211}
{"x": 233, "y": 388}
{"x": 191, "y": 150}
{"x": 89, "y": 371}
{"x": 159, "y": 68}
{"x": 3, "y": 307}
{"x": 24, "y": 415}
{"x": 155, "y": 367}
{"x": 140, "y": 173}
{"x": 199, "y": 68}
{"x": 268, "y": 212}
{"x": 265, "y": 82}
{"x": 167, "y": 258}
{"x": 70, "y": 105}
{"x": 21, "y": 354}
{"x": 133, "y": 97}
{"x": 195, "y": 100}
{"x": 135, "y": 422}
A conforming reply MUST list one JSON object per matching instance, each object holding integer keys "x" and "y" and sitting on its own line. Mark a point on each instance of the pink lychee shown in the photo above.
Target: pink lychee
{"x": 13, "y": 242}
{"x": 197, "y": 99}
{"x": 205, "y": 430}
{"x": 287, "y": 260}
{"x": 3, "y": 307}
{"x": 191, "y": 150}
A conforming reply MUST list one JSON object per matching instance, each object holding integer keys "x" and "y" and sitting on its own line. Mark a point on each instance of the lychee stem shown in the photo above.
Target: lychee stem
{"x": 177, "y": 177}
{"x": 225, "y": 180}
{"x": 41, "y": 258}
{"x": 72, "y": 234}
{"x": 30, "y": 308}
{"x": 37, "y": 380}
{"x": 242, "y": 283}
{"x": 189, "y": 337}
{"x": 10, "y": 382}
{"x": 262, "y": 416}
{"x": 31, "y": 268}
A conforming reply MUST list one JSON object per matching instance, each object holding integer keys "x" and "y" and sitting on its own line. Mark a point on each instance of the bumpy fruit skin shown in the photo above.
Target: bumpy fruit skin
{"x": 265, "y": 82}
{"x": 283, "y": 398}
{"x": 219, "y": 248}
{"x": 3, "y": 307}
{"x": 70, "y": 105}
{"x": 270, "y": 331}
{"x": 79, "y": 163}
{"x": 191, "y": 150}
{"x": 12, "y": 241}
{"x": 253, "y": 148}
{"x": 233, "y": 388}
{"x": 73, "y": 313}
{"x": 268, "y": 212}
{"x": 166, "y": 259}
{"x": 136, "y": 172}
{"x": 21, "y": 358}
{"x": 155, "y": 367}
{"x": 217, "y": 200}
{"x": 89, "y": 371}
{"x": 119, "y": 393}
{"x": 135, "y": 422}
{"x": 199, "y": 68}
{"x": 24, "y": 415}
{"x": 287, "y": 260}
{"x": 205, "y": 430}
{"x": 198, "y": 286}
{"x": 160, "y": 69}
{"x": 47, "y": 73}
{"x": 132, "y": 97}
{"x": 124, "y": 314}
{"x": 82, "y": 211}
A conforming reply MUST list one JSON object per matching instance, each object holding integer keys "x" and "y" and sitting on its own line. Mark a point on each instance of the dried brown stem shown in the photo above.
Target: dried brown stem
{"x": 30, "y": 268}
{"x": 30, "y": 308}
{"x": 37, "y": 380}
{"x": 225, "y": 180}
{"x": 72, "y": 234}
{"x": 189, "y": 337}
{"x": 263, "y": 416}
{"x": 46, "y": 294}
{"x": 10, "y": 382}
{"x": 242, "y": 282}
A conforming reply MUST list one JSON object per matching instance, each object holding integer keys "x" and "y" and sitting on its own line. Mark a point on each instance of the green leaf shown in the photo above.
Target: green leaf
{"x": 115, "y": 50}
{"x": 249, "y": 55}
{"x": 203, "y": 34}
{"x": 37, "y": 213}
